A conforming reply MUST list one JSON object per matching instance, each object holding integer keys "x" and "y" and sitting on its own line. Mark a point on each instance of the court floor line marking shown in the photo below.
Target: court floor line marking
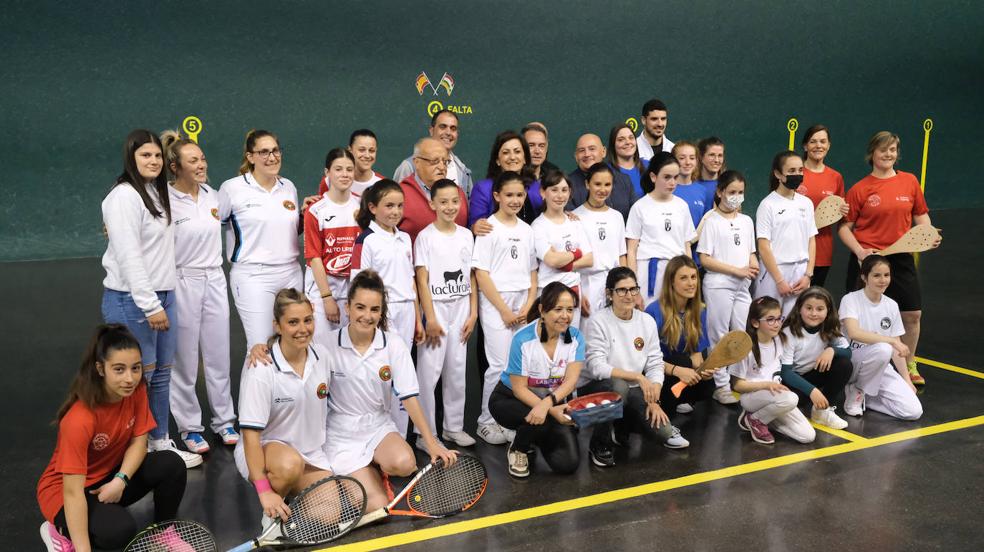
{"x": 846, "y": 435}
{"x": 484, "y": 522}
{"x": 950, "y": 367}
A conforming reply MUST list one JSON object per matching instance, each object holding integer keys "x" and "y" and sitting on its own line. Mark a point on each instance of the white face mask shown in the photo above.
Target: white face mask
{"x": 735, "y": 201}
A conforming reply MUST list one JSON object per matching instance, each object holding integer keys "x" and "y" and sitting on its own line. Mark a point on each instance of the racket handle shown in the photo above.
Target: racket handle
{"x": 678, "y": 388}
{"x": 244, "y": 547}
{"x": 372, "y": 516}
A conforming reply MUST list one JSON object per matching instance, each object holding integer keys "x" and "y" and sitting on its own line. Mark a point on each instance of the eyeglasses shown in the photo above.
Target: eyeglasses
{"x": 435, "y": 162}
{"x": 622, "y": 292}
{"x": 263, "y": 154}
{"x": 773, "y": 320}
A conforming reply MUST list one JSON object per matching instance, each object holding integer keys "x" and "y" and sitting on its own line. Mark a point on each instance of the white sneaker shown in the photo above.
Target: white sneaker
{"x": 724, "y": 395}
{"x": 509, "y": 433}
{"x": 492, "y": 434}
{"x": 684, "y": 408}
{"x": 826, "y": 416}
{"x": 422, "y": 444}
{"x": 519, "y": 463}
{"x": 459, "y": 438}
{"x": 676, "y": 440}
{"x": 190, "y": 458}
{"x": 853, "y": 400}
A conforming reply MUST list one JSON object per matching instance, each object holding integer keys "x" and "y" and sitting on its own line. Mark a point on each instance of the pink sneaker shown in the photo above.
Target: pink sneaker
{"x": 760, "y": 432}
{"x": 54, "y": 540}
{"x": 172, "y": 541}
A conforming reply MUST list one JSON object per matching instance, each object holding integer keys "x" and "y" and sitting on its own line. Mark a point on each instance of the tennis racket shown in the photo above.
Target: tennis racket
{"x": 436, "y": 491}
{"x": 320, "y": 513}
{"x": 176, "y": 535}
{"x": 733, "y": 347}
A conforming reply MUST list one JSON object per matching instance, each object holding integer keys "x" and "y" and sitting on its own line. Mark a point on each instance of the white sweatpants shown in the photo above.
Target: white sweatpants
{"x": 402, "y": 322}
{"x": 323, "y": 328}
{"x": 498, "y": 339}
{"x": 727, "y": 310}
{"x": 203, "y": 326}
{"x": 642, "y": 277}
{"x": 447, "y": 362}
{"x": 766, "y": 285}
{"x": 780, "y": 411}
{"x": 884, "y": 389}
{"x": 593, "y": 290}
{"x": 254, "y": 287}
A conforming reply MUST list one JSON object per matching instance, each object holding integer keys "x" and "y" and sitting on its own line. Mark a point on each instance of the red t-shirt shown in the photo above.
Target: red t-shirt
{"x": 92, "y": 442}
{"x": 817, "y": 186}
{"x": 330, "y": 231}
{"x": 882, "y": 208}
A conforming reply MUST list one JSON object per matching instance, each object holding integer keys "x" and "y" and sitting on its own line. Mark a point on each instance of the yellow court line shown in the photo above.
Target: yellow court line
{"x": 846, "y": 435}
{"x": 950, "y": 367}
{"x": 649, "y": 488}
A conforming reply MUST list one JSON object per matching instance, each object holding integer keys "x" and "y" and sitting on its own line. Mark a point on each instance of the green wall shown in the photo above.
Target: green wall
{"x": 77, "y": 77}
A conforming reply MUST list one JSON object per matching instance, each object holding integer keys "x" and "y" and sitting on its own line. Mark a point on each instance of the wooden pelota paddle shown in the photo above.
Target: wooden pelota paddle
{"x": 828, "y": 211}
{"x": 733, "y": 347}
{"x": 919, "y": 238}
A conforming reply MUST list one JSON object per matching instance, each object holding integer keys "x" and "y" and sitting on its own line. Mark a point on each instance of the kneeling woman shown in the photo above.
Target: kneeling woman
{"x": 623, "y": 355}
{"x": 816, "y": 359}
{"x": 101, "y": 463}
{"x": 545, "y": 360}
{"x": 881, "y": 380}
{"x": 369, "y": 366}
{"x": 282, "y": 408}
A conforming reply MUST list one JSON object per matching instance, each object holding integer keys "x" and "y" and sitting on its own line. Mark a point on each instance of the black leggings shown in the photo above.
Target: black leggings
{"x": 557, "y": 442}
{"x": 831, "y": 383}
{"x": 693, "y": 393}
{"x": 110, "y": 525}
{"x": 819, "y": 275}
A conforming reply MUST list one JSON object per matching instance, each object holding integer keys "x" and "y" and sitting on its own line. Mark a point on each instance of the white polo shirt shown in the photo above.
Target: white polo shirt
{"x": 730, "y": 241}
{"x": 447, "y": 258}
{"x": 606, "y": 232}
{"x": 768, "y": 370}
{"x": 286, "y": 407}
{"x": 362, "y": 384}
{"x": 788, "y": 224}
{"x": 507, "y": 254}
{"x": 262, "y": 226}
{"x": 529, "y": 359}
{"x": 882, "y": 318}
{"x": 391, "y": 255}
{"x": 662, "y": 227}
{"x": 139, "y": 257}
{"x": 566, "y": 236}
{"x": 197, "y": 230}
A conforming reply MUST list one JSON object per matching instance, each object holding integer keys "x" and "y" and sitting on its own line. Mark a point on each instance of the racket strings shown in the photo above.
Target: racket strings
{"x": 179, "y": 536}
{"x": 444, "y": 491}
{"x": 326, "y": 511}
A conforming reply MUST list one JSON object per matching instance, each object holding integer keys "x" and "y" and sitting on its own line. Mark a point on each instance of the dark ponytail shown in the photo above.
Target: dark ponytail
{"x": 89, "y": 386}
{"x": 372, "y": 196}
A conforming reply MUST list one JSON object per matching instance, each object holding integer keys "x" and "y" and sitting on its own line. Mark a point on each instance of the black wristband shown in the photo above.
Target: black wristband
{"x": 553, "y": 399}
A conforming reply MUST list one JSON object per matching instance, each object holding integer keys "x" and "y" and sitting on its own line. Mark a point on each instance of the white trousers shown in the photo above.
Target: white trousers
{"x": 254, "y": 287}
{"x": 780, "y": 411}
{"x": 593, "y": 290}
{"x": 884, "y": 389}
{"x": 498, "y": 340}
{"x": 766, "y": 285}
{"x": 446, "y": 362}
{"x": 203, "y": 326}
{"x": 642, "y": 277}
{"x": 323, "y": 328}
{"x": 727, "y": 310}
{"x": 402, "y": 322}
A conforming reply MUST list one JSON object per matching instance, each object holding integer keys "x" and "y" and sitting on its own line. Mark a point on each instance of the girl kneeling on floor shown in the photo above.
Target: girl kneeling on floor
{"x": 881, "y": 380}
{"x": 816, "y": 359}
{"x": 101, "y": 464}
{"x": 545, "y": 360}
{"x": 764, "y": 399}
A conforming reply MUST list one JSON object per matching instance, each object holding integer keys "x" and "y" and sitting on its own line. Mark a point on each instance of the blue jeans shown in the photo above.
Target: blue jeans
{"x": 156, "y": 348}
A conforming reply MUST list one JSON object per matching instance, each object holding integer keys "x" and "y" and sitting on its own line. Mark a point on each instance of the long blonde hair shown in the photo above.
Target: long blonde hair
{"x": 673, "y": 327}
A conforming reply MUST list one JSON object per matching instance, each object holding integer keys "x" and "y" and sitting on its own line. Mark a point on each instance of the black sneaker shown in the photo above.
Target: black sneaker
{"x": 603, "y": 457}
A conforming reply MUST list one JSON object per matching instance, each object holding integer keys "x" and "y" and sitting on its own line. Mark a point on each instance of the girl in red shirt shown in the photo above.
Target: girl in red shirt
{"x": 820, "y": 181}
{"x": 101, "y": 463}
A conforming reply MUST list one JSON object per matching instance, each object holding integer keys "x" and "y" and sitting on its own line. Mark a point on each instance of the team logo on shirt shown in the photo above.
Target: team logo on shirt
{"x": 100, "y": 441}
{"x": 215, "y": 213}
{"x": 322, "y": 390}
{"x": 131, "y": 421}
{"x": 885, "y": 323}
{"x": 874, "y": 200}
{"x": 667, "y": 225}
{"x": 568, "y": 245}
{"x": 737, "y": 238}
{"x": 289, "y": 205}
{"x": 638, "y": 343}
{"x": 385, "y": 374}
{"x": 330, "y": 240}
{"x": 514, "y": 252}
{"x": 802, "y": 189}
{"x": 601, "y": 233}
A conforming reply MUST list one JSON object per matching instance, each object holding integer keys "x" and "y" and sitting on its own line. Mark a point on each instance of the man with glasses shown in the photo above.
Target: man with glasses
{"x": 431, "y": 160}
{"x": 444, "y": 128}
